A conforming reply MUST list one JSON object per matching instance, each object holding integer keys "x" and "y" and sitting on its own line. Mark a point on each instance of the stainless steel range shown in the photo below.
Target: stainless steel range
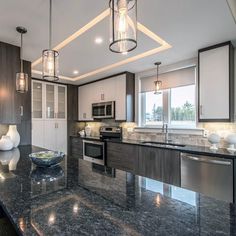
{"x": 94, "y": 150}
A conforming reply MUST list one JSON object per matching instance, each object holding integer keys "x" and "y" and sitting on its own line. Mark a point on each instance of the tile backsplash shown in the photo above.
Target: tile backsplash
{"x": 223, "y": 129}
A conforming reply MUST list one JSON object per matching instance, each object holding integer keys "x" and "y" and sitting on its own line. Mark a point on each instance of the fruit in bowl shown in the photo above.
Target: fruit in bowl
{"x": 46, "y": 158}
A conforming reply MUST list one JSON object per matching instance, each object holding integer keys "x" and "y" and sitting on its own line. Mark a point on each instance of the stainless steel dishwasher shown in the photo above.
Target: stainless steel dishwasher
{"x": 211, "y": 176}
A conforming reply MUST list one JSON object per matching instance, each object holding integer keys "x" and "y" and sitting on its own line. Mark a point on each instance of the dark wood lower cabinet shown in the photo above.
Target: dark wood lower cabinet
{"x": 159, "y": 164}
{"x": 122, "y": 156}
{"x": 76, "y": 147}
{"x": 154, "y": 163}
{"x": 150, "y": 163}
{"x": 171, "y": 167}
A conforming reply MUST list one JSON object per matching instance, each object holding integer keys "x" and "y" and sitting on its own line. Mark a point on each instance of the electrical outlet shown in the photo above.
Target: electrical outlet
{"x": 205, "y": 133}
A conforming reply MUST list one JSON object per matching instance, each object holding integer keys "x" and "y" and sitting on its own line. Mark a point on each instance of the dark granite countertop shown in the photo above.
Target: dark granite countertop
{"x": 81, "y": 198}
{"x": 198, "y": 150}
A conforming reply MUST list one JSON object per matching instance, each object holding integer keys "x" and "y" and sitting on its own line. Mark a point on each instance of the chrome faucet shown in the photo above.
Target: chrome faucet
{"x": 165, "y": 130}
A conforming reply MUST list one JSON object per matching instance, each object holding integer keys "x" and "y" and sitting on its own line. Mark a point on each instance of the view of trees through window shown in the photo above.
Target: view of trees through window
{"x": 182, "y": 109}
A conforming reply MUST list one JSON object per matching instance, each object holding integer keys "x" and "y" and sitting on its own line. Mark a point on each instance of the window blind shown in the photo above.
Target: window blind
{"x": 173, "y": 79}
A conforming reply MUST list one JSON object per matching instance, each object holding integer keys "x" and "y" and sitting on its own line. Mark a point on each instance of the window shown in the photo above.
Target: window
{"x": 182, "y": 106}
{"x": 175, "y": 106}
{"x": 153, "y": 112}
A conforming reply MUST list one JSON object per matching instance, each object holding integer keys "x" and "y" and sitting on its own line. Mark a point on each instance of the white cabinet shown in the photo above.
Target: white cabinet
{"x": 216, "y": 83}
{"x": 49, "y": 115}
{"x": 110, "y": 89}
{"x": 38, "y": 133}
{"x": 85, "y": 102}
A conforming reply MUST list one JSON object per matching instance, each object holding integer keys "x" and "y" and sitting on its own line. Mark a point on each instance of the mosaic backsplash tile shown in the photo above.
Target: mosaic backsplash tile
{"x": 223, "y": 129}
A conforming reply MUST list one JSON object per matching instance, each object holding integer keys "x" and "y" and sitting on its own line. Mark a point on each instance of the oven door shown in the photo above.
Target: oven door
{"x": 94, "y": 151}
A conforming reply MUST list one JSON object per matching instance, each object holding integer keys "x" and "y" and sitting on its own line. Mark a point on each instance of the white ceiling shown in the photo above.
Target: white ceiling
{"x": 187, "y": 25}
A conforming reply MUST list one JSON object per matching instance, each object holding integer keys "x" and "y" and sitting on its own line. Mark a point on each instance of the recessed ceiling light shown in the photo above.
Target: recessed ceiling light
{"x": 98, "y": 40}
{"x": 75, "y": 72}
{"x": 124, "y": 53}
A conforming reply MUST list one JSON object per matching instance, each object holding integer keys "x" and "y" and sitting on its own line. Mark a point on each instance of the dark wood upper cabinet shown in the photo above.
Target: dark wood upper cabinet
{"x": 24, "y": 99}
{"x": 9, "y": 66}
{"x": 216, "y": 83}
{"x": 72, "y": 102}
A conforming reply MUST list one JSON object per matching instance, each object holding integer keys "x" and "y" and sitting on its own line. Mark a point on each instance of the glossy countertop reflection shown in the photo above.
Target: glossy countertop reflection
{"x": 80, "y": 198}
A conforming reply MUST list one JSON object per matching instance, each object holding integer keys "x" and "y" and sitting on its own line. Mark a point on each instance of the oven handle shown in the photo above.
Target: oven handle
{"x": 94, "y": 142}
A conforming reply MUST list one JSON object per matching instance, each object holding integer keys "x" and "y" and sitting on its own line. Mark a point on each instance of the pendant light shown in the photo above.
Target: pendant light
{"x": 21, "y": 77}
{"x": 123, "y": 25}
{"x": 50, "y": 56}
{"x": 157, "y": 83}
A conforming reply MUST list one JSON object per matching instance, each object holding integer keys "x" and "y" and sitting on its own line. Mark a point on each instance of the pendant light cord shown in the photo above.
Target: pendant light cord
{"x": 21, "y": 53}
{"x": 50, "y": 25}
{"x": 157, "y": 72}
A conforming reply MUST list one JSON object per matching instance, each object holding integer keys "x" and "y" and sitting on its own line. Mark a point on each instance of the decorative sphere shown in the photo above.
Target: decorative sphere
{"x": 231, "y": 139}
{"x": 214, "y": 138}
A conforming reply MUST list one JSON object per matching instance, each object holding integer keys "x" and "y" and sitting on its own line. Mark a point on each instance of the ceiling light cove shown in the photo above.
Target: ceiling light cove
{"x": 161, "y": 46}
{"x": 98, "y": 40}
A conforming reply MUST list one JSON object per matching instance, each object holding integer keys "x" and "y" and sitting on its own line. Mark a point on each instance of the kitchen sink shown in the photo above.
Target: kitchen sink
{"x": 163, "y": 144}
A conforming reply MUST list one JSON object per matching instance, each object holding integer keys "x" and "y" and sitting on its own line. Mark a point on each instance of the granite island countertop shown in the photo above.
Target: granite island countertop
{"x": 80, "y": 198}
{"x": 191, "y": 149}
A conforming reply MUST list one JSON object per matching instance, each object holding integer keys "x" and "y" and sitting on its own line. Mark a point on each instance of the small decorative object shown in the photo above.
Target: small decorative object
{"x": 14, "y": 135}
{"x": 214, "y": 139}
{"x": 231, "y": 140}
{"x": 47, "y": 158}
{"x": 6, "y": 143}
{"x": 87, "y": 130}
{"x": 82, "y": 133}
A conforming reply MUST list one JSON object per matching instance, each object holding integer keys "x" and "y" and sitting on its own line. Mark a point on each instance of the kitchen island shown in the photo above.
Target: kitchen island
{"x": 81, "y": 198}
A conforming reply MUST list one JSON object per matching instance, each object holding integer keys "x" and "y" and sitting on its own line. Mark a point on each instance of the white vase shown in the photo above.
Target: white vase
{"x": 6, "y": 143}
{"x": 14, "y": 135}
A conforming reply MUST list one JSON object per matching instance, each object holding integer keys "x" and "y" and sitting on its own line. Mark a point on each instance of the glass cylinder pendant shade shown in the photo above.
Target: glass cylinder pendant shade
{"x": 123, "y": 25}
{"x": 157, "y": 87}
{"x": 50, "y": 65}
{"x": 21, "y": 82}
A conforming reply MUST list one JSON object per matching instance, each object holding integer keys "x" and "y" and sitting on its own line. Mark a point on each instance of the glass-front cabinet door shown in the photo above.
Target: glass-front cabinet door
{"x": 37, "y": 100}
{"x": 61, "y": 102}
{"x": 50, "y": 101}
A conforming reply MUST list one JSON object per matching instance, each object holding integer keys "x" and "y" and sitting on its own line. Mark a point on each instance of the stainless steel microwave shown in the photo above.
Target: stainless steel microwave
{"x": 103, "y": 110}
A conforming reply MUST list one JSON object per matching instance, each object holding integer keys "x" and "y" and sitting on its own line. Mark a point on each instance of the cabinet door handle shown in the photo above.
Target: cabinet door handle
{"x": 21, "y": 111}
